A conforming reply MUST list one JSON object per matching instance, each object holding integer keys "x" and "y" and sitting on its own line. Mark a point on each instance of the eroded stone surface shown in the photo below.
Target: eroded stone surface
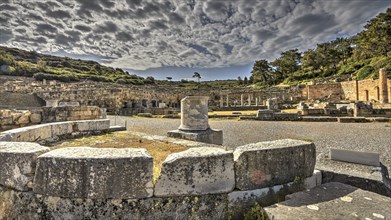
{"x": 332, "y": 201}
{"x": 210, "y": 136}
{"x": 84, "y": 172}
{"x": 272, "y": 163}
{"x": 203, "y": 170}
{"x": 27, "y": 205}
{"x": 194, "y": 113}
{"x": 93, "y": 125}
{"x": 18, "y": 160}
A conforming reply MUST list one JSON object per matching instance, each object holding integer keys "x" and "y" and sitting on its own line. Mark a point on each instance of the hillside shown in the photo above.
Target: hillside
{"x": 358, "y": 57}
{"x": 18, "y": 62}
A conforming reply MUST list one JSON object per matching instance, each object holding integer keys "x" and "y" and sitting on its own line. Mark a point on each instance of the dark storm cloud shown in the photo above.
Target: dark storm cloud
{"x": 175, "y": 18}
{"x": 60, "y": 14}
{"x": 133, "y": 3}
{"x": 313, "y": 24}
{"x": 107, "y": 26}
{"x": 204, "y": 33}
{"x": 45, "y": 29}
{"x": 47, "y": 5}
{"x": 64, "y": 40}
{"x": 159, "y": 24}
{"x": 7, "y": 7}
{"x": 5, "y": 35}
{"x": 83, "y": 28}
{"x": 123, "y": 36}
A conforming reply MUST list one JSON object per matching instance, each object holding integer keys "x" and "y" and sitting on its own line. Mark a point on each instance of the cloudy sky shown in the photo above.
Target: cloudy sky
{"x": 218, "y": 38}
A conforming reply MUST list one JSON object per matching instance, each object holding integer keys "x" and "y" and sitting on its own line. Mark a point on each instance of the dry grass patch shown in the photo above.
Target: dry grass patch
{"x": 159, "y": 150}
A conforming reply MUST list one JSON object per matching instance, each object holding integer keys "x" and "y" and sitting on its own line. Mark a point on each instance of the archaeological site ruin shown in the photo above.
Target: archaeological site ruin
{"x": 209, "y": 180}
{"x": 195, "y": 110}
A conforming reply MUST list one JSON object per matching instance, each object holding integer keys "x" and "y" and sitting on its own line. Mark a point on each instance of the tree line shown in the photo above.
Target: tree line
{"x": 361, "y": 55}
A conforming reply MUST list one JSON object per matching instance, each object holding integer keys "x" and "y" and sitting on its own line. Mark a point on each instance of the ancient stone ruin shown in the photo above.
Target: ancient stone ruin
{"x": 207, "y": 182}
{"x": 194, "y": 122}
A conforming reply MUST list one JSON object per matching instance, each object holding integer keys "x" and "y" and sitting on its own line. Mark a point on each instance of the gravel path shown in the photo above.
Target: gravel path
{"x": 371, "y": 137}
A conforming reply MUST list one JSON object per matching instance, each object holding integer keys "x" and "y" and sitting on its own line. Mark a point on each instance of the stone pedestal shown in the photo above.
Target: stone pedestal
{"x": 210, "y": 136}
{"x": 194, "y": 122}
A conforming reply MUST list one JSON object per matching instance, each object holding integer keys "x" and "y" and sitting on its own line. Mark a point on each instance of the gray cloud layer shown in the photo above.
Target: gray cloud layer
{"x": 146, "y": 34}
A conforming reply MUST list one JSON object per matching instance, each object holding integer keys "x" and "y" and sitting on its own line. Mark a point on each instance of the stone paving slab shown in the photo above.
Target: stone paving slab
{"x": 332, "y": 201}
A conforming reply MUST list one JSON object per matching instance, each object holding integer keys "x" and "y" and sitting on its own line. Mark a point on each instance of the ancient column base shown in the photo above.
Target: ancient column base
{"x": 210, "y": 136}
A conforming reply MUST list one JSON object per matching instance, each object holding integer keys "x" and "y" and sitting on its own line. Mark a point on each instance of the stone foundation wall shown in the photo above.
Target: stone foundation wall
{"x": 206, "y": 182}
{"x": 10, "y": 119}
{"x": 349, "y": 89}
{"x": 364, "y": 90}
{"x": 331, "y": 92}
{"x": 72, "y": 113}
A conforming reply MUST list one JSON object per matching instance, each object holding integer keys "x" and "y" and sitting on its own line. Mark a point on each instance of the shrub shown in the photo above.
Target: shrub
{"x": 364, "y": 72}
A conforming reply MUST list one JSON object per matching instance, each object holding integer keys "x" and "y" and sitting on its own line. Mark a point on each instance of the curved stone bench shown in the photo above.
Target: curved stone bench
{"x": 49, "y": 131}
{"x": 17, "y": 163}
{"x": 196, "y": 171}
{"x": 95, "y": 173}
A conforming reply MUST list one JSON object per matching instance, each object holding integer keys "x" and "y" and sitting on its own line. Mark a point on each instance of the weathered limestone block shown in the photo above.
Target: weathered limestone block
{"x": 28, "y": 205}
{"x": 5, "y": 113}
{"x": 40, "y": 132}
{"x": 18, "y": 161}
{"x": 204, "y": 170}
{"x": 93, "y": 125}
{"x": 272, "y": 163}
{"x": 23, "y": 119}
{"x": 210, "y": 136}
{"x": 61, "y": 128}
{"x": 96, "y": 173}
{"x": 6, "y": 121}
{"x": 194, "y": 113}
{"x": 35, "y": 118}
{"x": 51, "y": 103}
{"x": 28, "y": 134}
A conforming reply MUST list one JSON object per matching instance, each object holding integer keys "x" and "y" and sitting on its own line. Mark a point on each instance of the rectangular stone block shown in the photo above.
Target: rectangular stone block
{"x": 18, "y": 160}
{"x": 61, "y": 128}
{"x": 197, "y": 171}
{"x": 272, "y": 163}
{"x": 96, "y": 173}
{"x": 39, "y": 132}
{"x": 210, "y": 136}
{"x": 93, "y": 125}
{"x": 366, "y": 158}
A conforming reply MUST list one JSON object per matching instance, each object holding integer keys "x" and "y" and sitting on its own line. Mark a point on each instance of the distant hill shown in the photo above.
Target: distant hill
{"x": 18, "y": 62}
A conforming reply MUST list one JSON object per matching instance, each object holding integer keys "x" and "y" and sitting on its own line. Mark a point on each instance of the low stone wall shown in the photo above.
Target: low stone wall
{"x": 72, "y": 113}
{"x": 52, "y": 132}
{"x": 10, "y": 119}
{"x": 207, "y": 183}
